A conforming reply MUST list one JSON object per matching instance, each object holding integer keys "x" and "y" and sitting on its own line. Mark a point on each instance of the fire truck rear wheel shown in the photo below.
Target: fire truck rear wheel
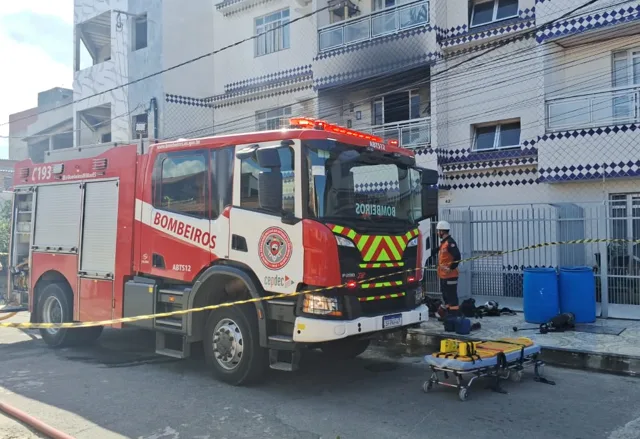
{"x": 55, "y": 306}
{"x": 345, "y": 349}
{"x": 232, "y": 345}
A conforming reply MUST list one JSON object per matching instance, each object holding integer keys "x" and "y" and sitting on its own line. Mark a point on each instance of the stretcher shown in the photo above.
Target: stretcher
{"x": 498, "y": 360}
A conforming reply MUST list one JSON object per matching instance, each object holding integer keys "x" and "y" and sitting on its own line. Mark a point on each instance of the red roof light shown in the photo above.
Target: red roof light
{"x": 308, "y": 123}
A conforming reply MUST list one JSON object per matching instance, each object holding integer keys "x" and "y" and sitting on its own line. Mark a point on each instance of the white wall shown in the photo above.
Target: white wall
{"x": 240, "y": 63}
{"x": 504, "y": 84}
{"x": 583, "y": 68}
{"x": 188, "y": 32}
{"x": 241, "y": 117}
{"x": 105, "y": 75}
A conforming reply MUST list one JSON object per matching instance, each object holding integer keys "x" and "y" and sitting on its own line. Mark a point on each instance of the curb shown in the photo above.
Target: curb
{"x": 420, "y": 343}
{"x": 33, "y": 422}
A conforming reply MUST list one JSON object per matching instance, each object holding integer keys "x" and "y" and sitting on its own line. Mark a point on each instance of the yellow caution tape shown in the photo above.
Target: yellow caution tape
{"x": 298, "y": 293}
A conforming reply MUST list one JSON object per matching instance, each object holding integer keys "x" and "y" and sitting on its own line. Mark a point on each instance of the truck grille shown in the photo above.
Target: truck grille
{"x": 382, "y": 286}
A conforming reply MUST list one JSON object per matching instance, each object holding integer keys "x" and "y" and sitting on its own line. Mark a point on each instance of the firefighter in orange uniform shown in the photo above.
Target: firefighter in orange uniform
{"x": 448, "y": 260}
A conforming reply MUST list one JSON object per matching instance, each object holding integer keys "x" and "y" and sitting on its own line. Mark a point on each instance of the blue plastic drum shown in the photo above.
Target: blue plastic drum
{"x": 578, "y": 293}
{"x": 540, "y": 295}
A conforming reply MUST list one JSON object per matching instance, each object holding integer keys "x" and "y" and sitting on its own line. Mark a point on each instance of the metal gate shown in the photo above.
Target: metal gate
{"x": 484, "y": 231}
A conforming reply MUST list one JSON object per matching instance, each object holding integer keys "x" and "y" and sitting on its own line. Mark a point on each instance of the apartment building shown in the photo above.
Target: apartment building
{"x": 44, "y": 128}
{"x": 128, "y": 41}
{"x": 528, "y": 108}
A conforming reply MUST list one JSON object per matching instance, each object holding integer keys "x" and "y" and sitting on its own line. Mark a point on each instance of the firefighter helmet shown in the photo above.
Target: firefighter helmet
{"x": 443, "y": 225}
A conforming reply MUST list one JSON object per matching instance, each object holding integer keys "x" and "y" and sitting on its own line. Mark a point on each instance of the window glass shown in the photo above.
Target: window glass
{"x": 506, "y": 9}
{"x": 250, "y": 187}
{"x": 181, "y": 185}
{"x": 482, "y": 13}
{"x": 485, "y": 137}
{"x": 272, "y": 33}
{"x": 140, "y": 32}
{"x": 510, "y": 134}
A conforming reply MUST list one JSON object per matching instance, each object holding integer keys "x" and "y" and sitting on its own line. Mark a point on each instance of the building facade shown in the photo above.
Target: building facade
{"x": 120, "y": 42}
{"x": 47, "y": 127}
{"x": 529, "y": 109}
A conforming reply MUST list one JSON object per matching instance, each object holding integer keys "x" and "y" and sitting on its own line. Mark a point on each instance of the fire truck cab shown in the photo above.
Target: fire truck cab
{"x": 115, "y": 231}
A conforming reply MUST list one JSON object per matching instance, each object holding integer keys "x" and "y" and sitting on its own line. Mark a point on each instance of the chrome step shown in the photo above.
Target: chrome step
{"x": 277, "y": 362}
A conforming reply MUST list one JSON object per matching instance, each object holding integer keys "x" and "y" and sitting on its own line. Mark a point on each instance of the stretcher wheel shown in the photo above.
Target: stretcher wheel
{"x": 427, "y": 386}
{"x": 516, "y": 376}
{"x": 463, "y": 394}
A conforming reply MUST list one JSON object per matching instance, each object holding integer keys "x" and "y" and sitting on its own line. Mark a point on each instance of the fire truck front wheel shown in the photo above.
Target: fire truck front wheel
{"x": 55, "y": 306}
{"x": 232, "y": 345}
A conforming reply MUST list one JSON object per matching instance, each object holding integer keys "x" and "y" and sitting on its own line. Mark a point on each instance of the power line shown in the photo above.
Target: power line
{"x": 435, "y": 76}
{"x": 460, "y": 95}
{"x": 500, "y": 43}
{"x": 176, "y": 66}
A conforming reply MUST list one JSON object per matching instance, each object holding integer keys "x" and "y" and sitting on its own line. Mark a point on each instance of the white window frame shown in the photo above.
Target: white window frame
{"x": 629, "y": 56}
{"x": 265, "y": 31}
{"x": 262, "y": 118}
{"x": 496, "y": 138}
{"x": 380, "y": 100}
{"x": 494, "y": 18}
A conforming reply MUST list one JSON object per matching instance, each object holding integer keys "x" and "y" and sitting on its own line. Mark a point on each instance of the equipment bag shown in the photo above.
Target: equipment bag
{"x": 463, "y": 326}
{"x": 450, "y": 323}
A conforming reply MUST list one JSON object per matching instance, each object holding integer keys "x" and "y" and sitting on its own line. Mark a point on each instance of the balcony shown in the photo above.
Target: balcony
{"x": 383, "y": 42}
{"x": 415, "y": 133}
{"x": 387, "y": 21}
{"x": 616, "y": 106}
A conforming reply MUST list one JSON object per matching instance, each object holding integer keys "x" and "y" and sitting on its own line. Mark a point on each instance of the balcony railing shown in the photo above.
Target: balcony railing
{"x": 383, "y": 22}
{"x": 597, "y": 109}
{"x": 413, "y": 133}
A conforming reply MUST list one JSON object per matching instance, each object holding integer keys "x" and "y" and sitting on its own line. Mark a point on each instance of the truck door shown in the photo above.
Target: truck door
{"x": 265, "y": 226}
{"x": 98, "y": 250}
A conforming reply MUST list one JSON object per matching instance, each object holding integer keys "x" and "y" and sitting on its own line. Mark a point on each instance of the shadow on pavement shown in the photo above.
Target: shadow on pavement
{"x": 121, "y": 385}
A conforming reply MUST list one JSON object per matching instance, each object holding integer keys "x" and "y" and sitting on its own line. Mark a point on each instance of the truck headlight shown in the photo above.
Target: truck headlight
{"x": 413, "y": 242}
{"x": 344, "y": 242}
{"x": 321, "y": 305}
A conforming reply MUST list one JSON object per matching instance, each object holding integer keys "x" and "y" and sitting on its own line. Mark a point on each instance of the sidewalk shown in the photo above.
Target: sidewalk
{"x": 614, "y": 347}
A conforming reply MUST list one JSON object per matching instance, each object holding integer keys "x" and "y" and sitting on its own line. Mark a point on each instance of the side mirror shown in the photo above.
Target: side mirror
{"x": 429, "y": 202}
{"x": 429, "y": 177}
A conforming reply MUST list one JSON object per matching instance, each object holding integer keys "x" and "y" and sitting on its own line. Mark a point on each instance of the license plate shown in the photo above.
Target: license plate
{"x": 391, "y": 321}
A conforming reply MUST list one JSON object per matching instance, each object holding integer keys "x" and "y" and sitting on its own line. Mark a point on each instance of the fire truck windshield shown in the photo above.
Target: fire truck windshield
{"x": 355, "y": 184}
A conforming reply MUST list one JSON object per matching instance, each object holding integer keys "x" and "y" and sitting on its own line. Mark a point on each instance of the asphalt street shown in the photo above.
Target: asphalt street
{"x": 119, "y": 388}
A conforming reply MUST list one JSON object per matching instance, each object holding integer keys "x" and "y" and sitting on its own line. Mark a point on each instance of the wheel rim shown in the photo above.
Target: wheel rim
{"x": 227, "y": 344}
{"x": 52, "y": 313}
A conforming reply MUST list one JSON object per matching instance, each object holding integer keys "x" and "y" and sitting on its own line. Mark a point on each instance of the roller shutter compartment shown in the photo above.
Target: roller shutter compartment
{"x": 58, "y": 212}
{"x": 99, "y": 229}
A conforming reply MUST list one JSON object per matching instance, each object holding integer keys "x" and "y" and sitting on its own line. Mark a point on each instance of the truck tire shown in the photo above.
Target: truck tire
{"x": 55, "y": 306}
{"x": 232, "y": 345}
{"x": 346, "y": 349}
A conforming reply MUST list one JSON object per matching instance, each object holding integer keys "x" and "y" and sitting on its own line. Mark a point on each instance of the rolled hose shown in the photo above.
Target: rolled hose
{"x": 33, "y": 422}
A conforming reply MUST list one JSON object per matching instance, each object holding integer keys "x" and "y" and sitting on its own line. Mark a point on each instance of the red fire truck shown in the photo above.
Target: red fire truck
{"x": 115, "y": 231}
